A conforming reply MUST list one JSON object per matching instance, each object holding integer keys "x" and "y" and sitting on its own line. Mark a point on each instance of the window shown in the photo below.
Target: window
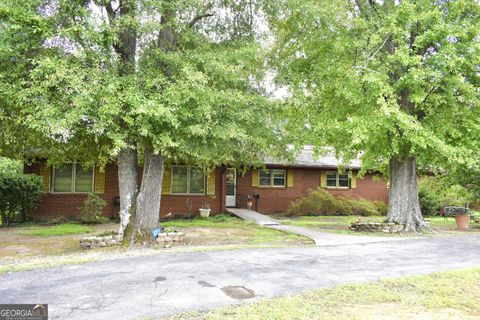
{"x": 337, "y": 180}
{"x": 272, "y": 178}
{"x": 188, "y": 180}
{"x": 332, "y": 179}
{"x": 72, "y": 177}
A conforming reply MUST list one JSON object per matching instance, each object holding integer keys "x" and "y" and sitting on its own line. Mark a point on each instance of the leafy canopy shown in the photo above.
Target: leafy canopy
{"x": 65, "y": 93}
{"x": 382, "y": 78}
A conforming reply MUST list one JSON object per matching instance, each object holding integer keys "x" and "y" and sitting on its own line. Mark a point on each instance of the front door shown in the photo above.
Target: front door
{"x": 230, "y": 200}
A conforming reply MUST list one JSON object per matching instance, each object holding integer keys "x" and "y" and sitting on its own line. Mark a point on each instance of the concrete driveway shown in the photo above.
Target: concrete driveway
{"x": 158, "y": 286}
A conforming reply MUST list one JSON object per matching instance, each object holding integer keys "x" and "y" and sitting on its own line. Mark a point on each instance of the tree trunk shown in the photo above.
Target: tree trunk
{"x": 128, "y": 184}
{"x": 148, "y": 199}
{"x": 404, "y": 205}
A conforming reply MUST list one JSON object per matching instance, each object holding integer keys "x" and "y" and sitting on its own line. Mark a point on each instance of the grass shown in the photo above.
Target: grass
{"x": 322, "y": 221}
{"x": 216, "y": 221}
{"x": 340, "y": 224}
{"x": 446, "y": 295}
{"x": 56, "y": 230}
{"x": 257, "y": 234}
{"x": 221, "y": 232}
{"x": 336, "y": 224}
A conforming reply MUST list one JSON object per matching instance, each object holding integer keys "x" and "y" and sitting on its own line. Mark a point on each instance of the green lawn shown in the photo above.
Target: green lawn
{"x": 442, "y": 222}
{"x": 56, "y": 230}
{"x": 237, "y": 229}
{"x": 336, "y": 224}
{"x": 322, "y": 221}
{"x": 340, "y": 224}
{"x": 447, "y": 295}
{"x": 217, "y": 221}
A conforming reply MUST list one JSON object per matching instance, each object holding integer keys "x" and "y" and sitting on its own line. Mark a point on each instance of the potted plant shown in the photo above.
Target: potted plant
{"x": 205, "y": 210}
{"x": 461, "y": 214}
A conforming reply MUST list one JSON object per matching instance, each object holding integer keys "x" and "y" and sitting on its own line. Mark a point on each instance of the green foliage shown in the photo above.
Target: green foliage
{"x": 318, "y": 202}
{"x": 321, "y": 202}
{"x": 456, "y": 195}
{"x": 384, "y": 80}
{"x": 57, "y": 230}
{"x": 222, "y": 217}
{"x": 10, "y": 166}
{"x": 363, "y": 207}
{"x": 19, "y": 193}
{"x": 381, "y": 206}
{"x": 72, "y": 96}
{"x": 437, "y": 192}
{"x": 429, "y": 200}
{"x": 92, "y": 209}
{"x": 56, "y": 220}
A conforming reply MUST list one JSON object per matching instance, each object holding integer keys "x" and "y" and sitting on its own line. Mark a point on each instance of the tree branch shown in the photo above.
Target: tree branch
{"x": 198, "y": 18}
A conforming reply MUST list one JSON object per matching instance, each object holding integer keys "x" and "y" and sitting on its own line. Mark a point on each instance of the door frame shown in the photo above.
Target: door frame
{"x": 231, "y": 200}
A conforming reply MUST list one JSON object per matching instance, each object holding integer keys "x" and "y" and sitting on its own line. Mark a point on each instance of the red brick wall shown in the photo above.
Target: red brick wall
{"x": 54, "y": 205}
{"x": 277, "y": 199}
{"x": 177, "y": 204}
{"x": 67, "y": 205}
{"x": 271, "y": 199}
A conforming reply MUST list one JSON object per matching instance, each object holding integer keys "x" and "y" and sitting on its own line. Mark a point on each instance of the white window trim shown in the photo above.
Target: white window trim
{"x": 271, "y": 185}
{"x": 188, "y": 182}
{"x": 337, "y": 181}
{"x": 72, "y": 187}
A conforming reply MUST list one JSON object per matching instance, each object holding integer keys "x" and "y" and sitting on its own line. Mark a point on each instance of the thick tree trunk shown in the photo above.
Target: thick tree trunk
{"x": 148, "y": 199}
{"x": 404, "y": 205}
{"x": 128, "y": 185}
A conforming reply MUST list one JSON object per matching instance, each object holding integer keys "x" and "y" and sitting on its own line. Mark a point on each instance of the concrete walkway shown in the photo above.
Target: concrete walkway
{"x": 162, "y": 285}
{"x": 320, "y": 238}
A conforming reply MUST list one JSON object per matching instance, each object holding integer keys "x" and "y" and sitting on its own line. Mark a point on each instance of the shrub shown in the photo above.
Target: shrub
{"x": 19, "y": 194}
{"x": 456, "y": 195}
{"x": 321, "y": 202}
{"x": 381, "y": 206}
{"x": 92, "y": 209}
{"x": 436, "y": 192}
{"x": 318, "y": 202}
{"x": 429, "y": 201}
{"x": 10, "y": 166}
{"x": 363, "y": 207}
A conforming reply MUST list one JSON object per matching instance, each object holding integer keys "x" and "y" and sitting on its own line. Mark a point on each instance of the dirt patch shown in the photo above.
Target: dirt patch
{"x": 13, "y": 244}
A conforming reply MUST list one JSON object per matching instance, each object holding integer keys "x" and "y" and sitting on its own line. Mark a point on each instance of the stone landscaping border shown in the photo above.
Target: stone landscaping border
{"x": 167, "y": 239}
{"x": 164, "y": 239}
{"x": 376, "y": 227}
{"x": 100, "y": 241}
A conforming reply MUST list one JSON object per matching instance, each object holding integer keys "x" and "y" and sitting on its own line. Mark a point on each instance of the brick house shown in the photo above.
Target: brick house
{"x": 186, "y": 188}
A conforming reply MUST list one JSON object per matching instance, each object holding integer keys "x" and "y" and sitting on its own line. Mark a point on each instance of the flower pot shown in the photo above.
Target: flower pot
{"x": 204, "y": 213}
{"x": 463, "y": 221}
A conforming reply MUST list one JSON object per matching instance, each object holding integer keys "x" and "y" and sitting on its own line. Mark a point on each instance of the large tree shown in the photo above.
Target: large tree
{"x": 393, "y": 82}
{"x": 153, "y": 82}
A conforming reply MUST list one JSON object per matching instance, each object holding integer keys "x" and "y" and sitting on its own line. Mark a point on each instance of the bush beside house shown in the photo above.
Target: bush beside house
{"x": 92, "y": 209}
{"x": 321, "y": 202}
{"x": 19, "y": 194}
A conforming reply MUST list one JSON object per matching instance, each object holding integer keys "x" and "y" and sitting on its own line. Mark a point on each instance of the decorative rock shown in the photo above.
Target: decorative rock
{"x": 100, "y": 241}
{"x": 369, "y": 226}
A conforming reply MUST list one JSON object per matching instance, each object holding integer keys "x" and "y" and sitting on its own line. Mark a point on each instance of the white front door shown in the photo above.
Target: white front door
{"x": 230, "y": 200}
